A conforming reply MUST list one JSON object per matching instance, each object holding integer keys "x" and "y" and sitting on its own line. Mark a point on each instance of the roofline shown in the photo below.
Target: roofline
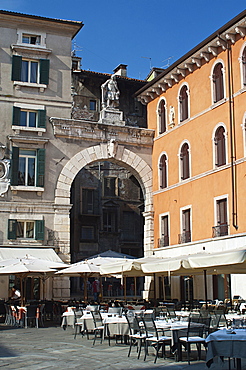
{"x": 111, "y": 74}
{"x": 194, "y": 50}
{"x": 79, "y": 24}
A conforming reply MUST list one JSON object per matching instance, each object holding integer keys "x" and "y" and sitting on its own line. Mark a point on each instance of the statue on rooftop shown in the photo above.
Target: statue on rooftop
{"x": 110, "y": 93}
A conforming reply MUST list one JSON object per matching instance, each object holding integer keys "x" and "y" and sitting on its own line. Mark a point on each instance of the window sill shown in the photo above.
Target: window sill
{"x": 35, "y": 49}
{"x": 31, "y": 129}
{"x": 17, "y": 188}
{"x": 218, "y": 103}
{"x": 19, "y": 84}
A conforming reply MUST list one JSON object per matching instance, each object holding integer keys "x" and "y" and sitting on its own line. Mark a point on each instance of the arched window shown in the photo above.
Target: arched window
{"x": 185, "y": 161}
{"x": 183, "y": 103}
{"x": 220, "y": 146}
{"x": 163, "y": 171}
{"x": 244, "y": 66}
{"x": 162, "y": 117}
{"x": 218, "y": 83}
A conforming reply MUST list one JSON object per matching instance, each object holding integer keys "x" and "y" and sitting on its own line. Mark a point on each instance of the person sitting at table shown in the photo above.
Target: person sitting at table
{"x": 16, "y": 294}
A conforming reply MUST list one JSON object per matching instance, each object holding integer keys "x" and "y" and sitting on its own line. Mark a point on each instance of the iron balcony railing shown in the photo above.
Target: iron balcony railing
{"x": 185, "y": 237}
{"x": 163, "y": 241}
{"x": 220, "y": 230}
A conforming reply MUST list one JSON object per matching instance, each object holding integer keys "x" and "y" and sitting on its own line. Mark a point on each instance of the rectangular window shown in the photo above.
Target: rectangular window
{"x": 30, "y": 71}
{"x": 110, "y": 186}
{"x": 87, "y": 233}
{"x": 31, "y": 39}
{"x": 22, "y": 229}
{"x": 93, "y": 105}
{"x": 222, "y": 225}
{"x": 29, "y": 118}
{"x": 25, "y": 229}
{"x": 185, "y": 236}
{"x": 28, "y": 167}
{"x": 87, "y": 206}
{"x": 164, "y": 241}
{"x": 109, "y": 221}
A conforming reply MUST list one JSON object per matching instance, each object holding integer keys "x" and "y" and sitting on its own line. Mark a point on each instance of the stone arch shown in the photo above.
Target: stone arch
{"x": 104, "y": 151}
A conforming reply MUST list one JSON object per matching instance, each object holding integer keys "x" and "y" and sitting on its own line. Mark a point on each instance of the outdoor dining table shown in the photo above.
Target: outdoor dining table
{"x": 174, "y": 326}
{"x": 229, "y": 343}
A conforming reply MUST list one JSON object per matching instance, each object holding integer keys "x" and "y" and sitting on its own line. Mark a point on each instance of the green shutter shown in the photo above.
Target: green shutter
{"x": 40, "y": 167}
{"x": 44, "y": 71}
{"x": 16, "y": 68}
{"x": 39, "y": 229}
{"x": 16, "y": 116}
{"x": 42, "y": 118}
{"x": 14, "y": 166}
{"x": 12, "y": 226}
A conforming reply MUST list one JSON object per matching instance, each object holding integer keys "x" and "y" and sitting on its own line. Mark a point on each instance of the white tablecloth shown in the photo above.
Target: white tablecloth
{"x": 223, "y": 343}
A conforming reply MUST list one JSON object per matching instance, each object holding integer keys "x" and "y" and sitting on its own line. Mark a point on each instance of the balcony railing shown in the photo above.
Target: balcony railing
{"x": 185, "y": 237}
{"x": 220, "y": 230}
{"x": 163, "y": 241}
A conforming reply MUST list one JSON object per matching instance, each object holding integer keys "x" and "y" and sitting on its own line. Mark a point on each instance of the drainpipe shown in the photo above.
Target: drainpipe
{"x": 232, "y": 134}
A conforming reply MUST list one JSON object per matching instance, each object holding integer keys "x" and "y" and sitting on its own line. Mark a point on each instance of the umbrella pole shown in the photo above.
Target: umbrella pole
{"x": 205, "y": 288}
{"x": 101, "y": 288}
{"x": 85, "y": 288}
{"x": 154, "y": 289}
{"x": 163, "y": 287}
{"x": 135, "y": 286}
{"x": 124, "y": 280}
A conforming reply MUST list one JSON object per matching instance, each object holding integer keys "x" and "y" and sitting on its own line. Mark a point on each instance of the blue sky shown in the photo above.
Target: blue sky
{"x": 139, "y": 33}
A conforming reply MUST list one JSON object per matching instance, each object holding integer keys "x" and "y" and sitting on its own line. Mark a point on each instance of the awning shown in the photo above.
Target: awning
{"x": 47, "y": 254}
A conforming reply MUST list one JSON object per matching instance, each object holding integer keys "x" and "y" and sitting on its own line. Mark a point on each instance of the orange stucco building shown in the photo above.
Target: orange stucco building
{"x": 197, "y": 107}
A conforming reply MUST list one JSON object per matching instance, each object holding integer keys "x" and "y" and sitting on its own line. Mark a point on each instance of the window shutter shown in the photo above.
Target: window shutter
{"x": 40, "y": 167}
{"x": 44, "y": 71}
{"x": 16, "y": 68}
{"x": 39, "y": 229}
{"x": 12, "y": 226}
{"x": 16, "y": 116}
{"x": 42, "y": 118}
{"x": 14, "y": 166}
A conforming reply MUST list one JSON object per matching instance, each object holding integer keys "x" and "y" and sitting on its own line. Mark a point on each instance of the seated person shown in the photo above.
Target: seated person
{"x": 15, "y": 293}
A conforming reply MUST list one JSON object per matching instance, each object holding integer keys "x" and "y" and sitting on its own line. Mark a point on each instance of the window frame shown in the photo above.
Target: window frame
{"x": 216, "y": 215}
{"x": 39, "y": 168}
{"x": 161, "y": 173}
{"x": 162, "y": 234}
{"x": 180, "y": 103}
{"x": 160, "y": 115}
{"x": 181, "y": 162}
{"x": 215, "y": 145}
{"x": 38, "y": 231}
{"x": 109, "y": 227}
{"x": 182, "y": 224}
{"x": 40, "y": 117}
{"x": 213, "y": 95}
{"x": 242, "y": 62}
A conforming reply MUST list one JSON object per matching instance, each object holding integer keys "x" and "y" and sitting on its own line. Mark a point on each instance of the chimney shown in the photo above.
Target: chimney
{"x": 121, "y": 70}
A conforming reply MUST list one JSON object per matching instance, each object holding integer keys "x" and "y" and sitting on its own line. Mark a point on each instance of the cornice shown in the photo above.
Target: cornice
{"x": 203, "y": 52}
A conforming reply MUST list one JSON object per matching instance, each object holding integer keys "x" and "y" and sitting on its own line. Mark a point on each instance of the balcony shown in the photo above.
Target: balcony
{"x": 220, "y": 230}
{"x": 163, "y": 241}
{"x": 185, "y": 237}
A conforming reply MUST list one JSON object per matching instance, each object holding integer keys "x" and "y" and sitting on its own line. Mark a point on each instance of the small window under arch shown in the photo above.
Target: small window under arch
{"x": 185, "y": 161}
{"x": 183, "y": 103}
{"x": 163, "y": 171}
{"x": 218, "y": 83}
{"x": 220, "y": 147}
{"x": 162, "y": 117}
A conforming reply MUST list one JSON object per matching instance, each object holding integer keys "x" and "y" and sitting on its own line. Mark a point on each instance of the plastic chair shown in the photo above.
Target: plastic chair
{"x": 98, "y": 326}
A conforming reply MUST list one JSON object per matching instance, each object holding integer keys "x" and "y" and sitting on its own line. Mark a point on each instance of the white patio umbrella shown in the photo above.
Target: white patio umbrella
{"x": 83, "y": 269}
{"x": 127, "y": 268}
{"x": 28, "y": 267}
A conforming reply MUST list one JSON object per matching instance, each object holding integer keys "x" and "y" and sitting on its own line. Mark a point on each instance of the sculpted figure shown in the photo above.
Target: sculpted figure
{"x": 171, "y": 116}
{"x": 110, "y": 93}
